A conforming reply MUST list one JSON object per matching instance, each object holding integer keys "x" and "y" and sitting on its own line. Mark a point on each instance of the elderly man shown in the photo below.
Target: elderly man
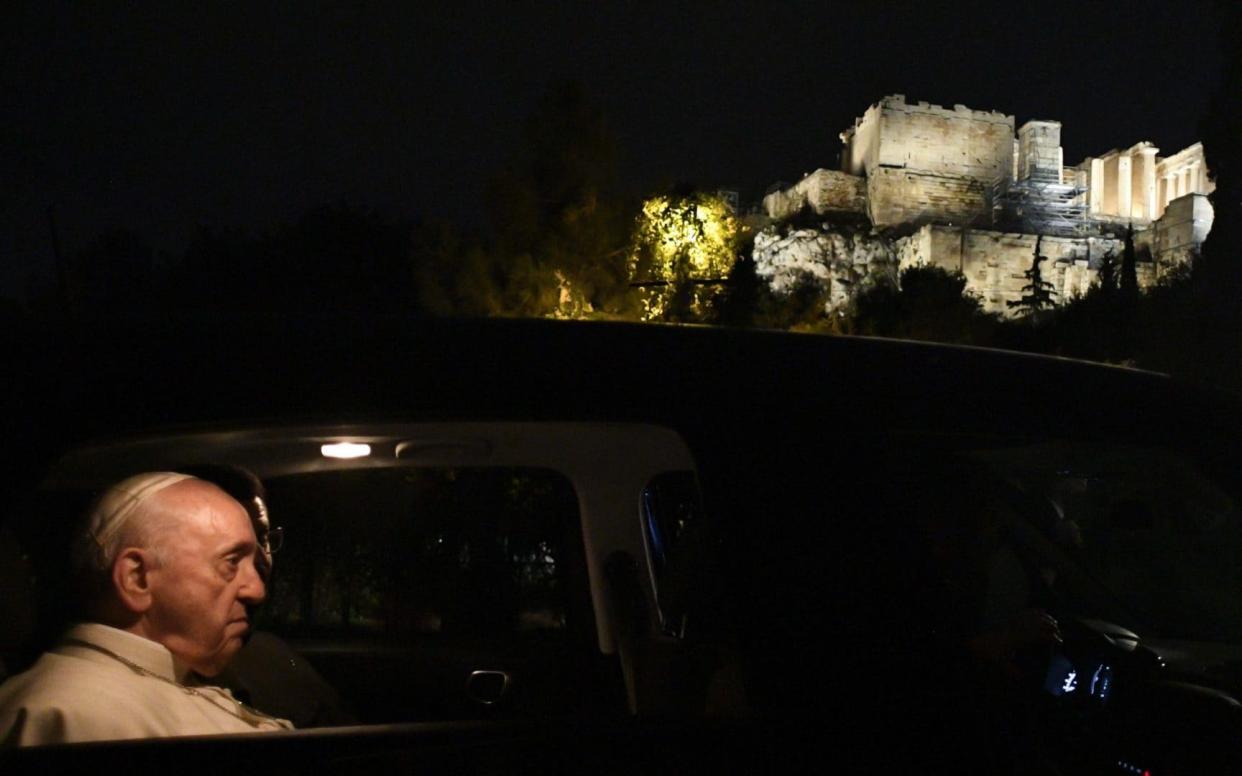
{"x": 168, "y": 564}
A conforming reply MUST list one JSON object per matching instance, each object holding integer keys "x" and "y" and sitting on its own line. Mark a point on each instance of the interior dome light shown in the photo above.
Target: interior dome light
{"x": 345, "y": 450}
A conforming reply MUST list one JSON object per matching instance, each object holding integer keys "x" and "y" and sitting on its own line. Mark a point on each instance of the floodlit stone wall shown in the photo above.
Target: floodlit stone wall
{"x": 1178, "y": 235}
{"x": 896, "y": 197}
{"x": 994, "y": 262}
{"x": 862, "y": 141}
{"x": 926, "y": 163}
{"x": 929, "y": 138}
{"x": 823, "y": 191}
{"x": 1039, "y": 151}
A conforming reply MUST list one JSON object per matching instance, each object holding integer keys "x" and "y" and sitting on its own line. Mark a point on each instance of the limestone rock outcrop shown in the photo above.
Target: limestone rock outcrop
{"x": 838, "y": 260}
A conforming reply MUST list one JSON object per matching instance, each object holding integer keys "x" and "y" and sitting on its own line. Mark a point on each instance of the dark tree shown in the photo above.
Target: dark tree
{"x": 1210, "y": 315}
{"x": 1038, "y": 293}
{"x": 560, "y": 225}
{"x": 1128, "y": 279}
{"x": 454, "y": 275}
{"x": 930, "y": 304}
{"x": 738, "y": 303}
{"x": 1108, "y": 274}
{"x": 1186, "y": 325}
{"x": 1218, "y": 269}
{"x": 333, "y": 257}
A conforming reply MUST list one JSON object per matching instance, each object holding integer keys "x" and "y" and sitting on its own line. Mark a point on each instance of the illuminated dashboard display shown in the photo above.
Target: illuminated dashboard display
{"x": 1093, "y": 679}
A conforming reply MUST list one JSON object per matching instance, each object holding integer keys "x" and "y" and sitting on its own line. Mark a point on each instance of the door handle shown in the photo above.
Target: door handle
{"x": 488, "y": 687}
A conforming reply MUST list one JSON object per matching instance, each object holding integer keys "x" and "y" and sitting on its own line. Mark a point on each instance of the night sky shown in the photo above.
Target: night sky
{"x": 245, "y": 114}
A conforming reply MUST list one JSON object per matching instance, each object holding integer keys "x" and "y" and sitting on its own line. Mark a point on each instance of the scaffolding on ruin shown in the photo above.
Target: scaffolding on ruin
{"x": 1040, "y": 204}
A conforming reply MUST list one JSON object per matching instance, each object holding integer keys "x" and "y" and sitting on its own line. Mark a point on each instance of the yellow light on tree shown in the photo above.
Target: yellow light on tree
{"x": 683, "y": 246}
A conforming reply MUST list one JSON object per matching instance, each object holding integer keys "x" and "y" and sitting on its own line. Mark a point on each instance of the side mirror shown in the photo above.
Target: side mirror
{"x": 672, "y": 521}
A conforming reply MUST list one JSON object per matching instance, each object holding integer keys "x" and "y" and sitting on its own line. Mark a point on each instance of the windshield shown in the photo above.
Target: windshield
{"x": 1146, "y": 524}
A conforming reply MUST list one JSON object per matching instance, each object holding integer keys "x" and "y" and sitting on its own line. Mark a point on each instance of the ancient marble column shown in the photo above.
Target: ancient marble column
{"x": 1145, "y": 182}
{"x": 1125, "y": 177}
{"x": 1095, "y": 187}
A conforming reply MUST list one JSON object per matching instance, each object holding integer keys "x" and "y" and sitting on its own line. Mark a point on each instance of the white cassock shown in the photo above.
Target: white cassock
{"x": 101, "y": 684}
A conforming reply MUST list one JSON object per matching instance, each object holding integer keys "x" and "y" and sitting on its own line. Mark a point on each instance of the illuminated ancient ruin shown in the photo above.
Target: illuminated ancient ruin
{"x": 960, "y": 189}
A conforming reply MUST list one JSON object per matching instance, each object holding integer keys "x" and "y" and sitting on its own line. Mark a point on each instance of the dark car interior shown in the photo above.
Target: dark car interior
{"x": 803, "y": 572}
{"x": 903, "y": 589}
{"x": 426, "y": 594}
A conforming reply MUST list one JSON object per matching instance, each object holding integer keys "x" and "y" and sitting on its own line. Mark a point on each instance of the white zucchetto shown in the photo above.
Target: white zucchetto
{"x": 118, "y": 504}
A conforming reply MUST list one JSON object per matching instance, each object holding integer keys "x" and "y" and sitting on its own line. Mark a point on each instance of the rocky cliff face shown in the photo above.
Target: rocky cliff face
{"x": 840, "y": 260}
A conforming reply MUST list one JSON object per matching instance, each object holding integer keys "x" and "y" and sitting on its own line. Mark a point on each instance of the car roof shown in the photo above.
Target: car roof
{"x": 122, "y": 376}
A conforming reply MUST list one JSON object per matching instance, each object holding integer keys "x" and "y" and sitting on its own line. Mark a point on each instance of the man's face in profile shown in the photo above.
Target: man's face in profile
{"x": 205, "y": 579}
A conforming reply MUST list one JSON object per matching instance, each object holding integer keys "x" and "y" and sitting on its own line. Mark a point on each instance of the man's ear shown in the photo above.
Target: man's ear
{"x": 131, "y": 579}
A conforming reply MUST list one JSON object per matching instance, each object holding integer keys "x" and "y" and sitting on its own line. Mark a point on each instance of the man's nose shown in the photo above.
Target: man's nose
{"x": 252, "y": 590}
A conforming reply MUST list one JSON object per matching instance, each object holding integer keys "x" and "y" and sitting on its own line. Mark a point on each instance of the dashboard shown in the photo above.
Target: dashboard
{"x": 1114, "y": 706}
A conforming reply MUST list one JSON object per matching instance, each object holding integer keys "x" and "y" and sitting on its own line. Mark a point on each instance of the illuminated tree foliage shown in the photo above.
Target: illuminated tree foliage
{"x": 684, "y": 247}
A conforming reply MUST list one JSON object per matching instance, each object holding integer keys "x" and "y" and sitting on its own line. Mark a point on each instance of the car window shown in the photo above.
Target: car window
{"x": 422, "y": 552}
{"x": 435, "y": 593}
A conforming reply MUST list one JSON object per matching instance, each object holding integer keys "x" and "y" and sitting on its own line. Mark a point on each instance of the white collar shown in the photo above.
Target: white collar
{"x": 150, "y": 655}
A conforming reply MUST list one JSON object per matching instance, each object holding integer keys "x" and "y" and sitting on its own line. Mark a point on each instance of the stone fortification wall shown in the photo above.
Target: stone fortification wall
{"x": 824, "y": 191}
{"x": 896, "y": 197}
{"x": 861, "y": 152}
{"x": 1177, "y": 236}
{"x": 931, "y": 139}
{"x": 1039, "y": 151}
{"x": 994, "y": 262}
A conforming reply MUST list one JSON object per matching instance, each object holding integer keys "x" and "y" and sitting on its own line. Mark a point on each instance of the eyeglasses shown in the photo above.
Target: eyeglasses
{"x": 271, "y": 537}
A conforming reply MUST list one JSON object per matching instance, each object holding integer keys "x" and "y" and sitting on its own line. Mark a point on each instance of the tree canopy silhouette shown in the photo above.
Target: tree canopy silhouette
{"x": 929, "y": 304}
{"x": 559, "y": 223}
